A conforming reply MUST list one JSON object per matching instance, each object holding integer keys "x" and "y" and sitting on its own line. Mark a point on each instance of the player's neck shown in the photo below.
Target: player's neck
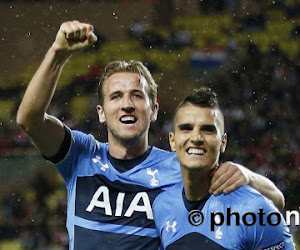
{"x": 122, "y": 151}
{"x": 196, "y": 184}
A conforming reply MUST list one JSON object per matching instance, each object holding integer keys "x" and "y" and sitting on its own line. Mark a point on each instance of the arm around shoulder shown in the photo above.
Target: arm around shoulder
{"x": 230, "y": 176}
{"x": 266, "y": 187}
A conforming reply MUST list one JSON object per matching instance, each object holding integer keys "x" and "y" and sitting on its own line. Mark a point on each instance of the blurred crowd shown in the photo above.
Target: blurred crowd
{"x": 258, "y": 91}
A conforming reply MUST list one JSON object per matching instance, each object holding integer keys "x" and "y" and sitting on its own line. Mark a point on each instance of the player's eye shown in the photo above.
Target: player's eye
{"x": 209, "y": 129}
{"x": 115, "y": 97}
{"x": 185, "y": 127}
{"x": 137, "y": 96}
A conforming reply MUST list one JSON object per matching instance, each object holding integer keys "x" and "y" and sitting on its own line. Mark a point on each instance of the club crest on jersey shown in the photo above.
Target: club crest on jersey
{"x": 103, "y": 167}
{"x": 218, "y": 233}
{"x": 171, "y": 226}
{"x": 153, "y": 182}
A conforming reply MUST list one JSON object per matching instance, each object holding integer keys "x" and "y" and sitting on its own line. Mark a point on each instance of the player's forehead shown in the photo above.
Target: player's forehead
{"x": 124, "y": 81}
{"x": 196, "y": 115}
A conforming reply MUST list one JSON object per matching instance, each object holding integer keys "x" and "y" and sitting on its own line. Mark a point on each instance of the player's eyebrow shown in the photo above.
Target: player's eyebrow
{"x": 185, "y": 126}
{"x": 115, "y": 93}
{"x": 208, "y": 127}
{"x": 134, "y": 91}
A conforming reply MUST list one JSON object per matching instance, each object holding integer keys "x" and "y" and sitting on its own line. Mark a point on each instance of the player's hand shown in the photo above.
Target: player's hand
{"x": 228, "y": 177}
{"x": 73, "y": 36}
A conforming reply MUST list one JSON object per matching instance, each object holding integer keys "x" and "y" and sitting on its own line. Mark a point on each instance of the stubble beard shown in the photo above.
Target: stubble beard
{"x": 129, "y": 140}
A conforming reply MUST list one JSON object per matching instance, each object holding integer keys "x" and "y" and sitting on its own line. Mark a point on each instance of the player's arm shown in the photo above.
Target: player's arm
{"x": 45, "y": 131}
{"x": 231, "y": 176}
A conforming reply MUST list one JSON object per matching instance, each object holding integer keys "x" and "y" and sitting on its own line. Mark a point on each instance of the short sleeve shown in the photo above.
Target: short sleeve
{"x": 82, "y": 146}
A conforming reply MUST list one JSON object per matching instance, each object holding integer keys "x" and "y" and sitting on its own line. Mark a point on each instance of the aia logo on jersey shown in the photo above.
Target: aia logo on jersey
{"x": 100, "y": 199}
{"x": 278, "y": 246}
{"x": 140, "y": 203}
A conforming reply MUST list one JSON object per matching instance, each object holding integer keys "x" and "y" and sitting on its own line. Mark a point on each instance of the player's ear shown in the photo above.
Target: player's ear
{"x": 172, "y": 141}
{"x": 223, "y": 143}
{"x": 154, "y": 112}
{"x": 101, "y": 114}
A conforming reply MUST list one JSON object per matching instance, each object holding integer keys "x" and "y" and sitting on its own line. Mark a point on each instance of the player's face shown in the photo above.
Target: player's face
{"x": 127, "y": 109}
{"x": 197, "y": 139}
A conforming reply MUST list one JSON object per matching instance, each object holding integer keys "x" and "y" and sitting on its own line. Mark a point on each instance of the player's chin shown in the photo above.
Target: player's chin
{"x": 193, "y": 164}
{"x": 130, "y": 138}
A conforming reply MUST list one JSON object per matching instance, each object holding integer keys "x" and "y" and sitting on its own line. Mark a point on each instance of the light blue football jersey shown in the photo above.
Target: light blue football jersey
{"x": 108, "y": 209}
{"x": 227, "y": 221}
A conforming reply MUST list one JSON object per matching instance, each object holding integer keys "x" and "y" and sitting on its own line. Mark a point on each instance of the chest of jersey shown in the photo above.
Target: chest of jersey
{"x": 99, "y": 199}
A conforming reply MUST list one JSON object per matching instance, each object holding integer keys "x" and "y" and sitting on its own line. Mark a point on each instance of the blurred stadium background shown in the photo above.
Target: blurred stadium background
{"x": 248, "y": 51}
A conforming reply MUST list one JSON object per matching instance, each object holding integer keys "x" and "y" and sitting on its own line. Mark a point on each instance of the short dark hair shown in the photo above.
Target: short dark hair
{"x": 203, "y": 97}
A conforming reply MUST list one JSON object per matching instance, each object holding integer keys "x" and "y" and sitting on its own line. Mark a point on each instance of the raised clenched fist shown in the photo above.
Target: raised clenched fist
{"x": 74, "y": 36}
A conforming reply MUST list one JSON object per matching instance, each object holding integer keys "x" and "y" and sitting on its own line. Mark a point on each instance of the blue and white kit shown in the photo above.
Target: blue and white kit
{"x": 172, "y": 212}
{"x": 108, "y": 208}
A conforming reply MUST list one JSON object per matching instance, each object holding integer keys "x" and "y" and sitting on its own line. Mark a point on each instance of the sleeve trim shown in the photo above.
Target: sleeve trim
{"x": 64, "y": 148}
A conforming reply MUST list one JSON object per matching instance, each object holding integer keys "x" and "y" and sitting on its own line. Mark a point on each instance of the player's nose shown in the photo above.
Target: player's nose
{"x": 127, "y": 104}
{"x": 196, "y": 137}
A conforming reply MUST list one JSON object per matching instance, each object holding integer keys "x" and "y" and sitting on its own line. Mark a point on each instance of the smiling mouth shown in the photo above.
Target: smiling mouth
{"x": 128, "y": 119}
{"x": 196, "y": 151}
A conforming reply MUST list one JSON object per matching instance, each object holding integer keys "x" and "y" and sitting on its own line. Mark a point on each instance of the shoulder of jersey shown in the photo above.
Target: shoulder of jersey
{"x": 173, "y": 193}
{"x": 242, "y": 196}
{"x": 158, "y": 152}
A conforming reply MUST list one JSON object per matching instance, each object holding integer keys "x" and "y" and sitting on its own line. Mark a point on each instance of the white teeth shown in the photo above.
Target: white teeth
{"x": 127, "y": 118}
{"x": 195, "y": 151}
